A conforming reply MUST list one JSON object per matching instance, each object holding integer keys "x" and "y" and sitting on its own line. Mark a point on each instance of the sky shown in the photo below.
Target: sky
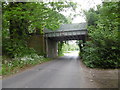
{"x": 82, "y": 5}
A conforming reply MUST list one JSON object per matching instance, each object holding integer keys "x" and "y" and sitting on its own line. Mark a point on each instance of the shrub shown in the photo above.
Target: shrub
{"x": 10, "y": 67}
{"x": 101, "y": 57}
{"x": 104, "y": 49}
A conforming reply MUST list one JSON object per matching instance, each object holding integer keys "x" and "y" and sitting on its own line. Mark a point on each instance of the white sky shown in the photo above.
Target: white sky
{"x": 82, "y": 5}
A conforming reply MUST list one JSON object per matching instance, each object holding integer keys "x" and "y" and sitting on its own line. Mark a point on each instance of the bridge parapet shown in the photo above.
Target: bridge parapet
{"x": 66, "y": 33}
{"x": 75, "y": 31}
{"x": 68, "y": 27}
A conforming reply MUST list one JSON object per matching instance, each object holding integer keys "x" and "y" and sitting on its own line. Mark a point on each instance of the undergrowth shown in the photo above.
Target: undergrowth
{"x": 17, "y": 64}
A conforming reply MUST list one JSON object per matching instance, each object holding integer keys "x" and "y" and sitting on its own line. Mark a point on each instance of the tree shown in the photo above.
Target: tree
{"x": 22, "y": 18}
{"x": 103, "y": 49}
{"x": 91, "y": 16}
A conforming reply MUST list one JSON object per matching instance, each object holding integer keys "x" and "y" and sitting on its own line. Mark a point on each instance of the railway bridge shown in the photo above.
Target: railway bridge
{"x": 77, "y": 31}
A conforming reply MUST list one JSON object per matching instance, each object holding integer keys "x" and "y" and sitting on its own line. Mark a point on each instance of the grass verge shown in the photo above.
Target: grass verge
{"x": 16, "y": 66}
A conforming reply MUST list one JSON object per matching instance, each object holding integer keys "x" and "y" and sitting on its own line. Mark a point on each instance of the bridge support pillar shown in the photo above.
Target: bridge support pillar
{"x": 84, "y": 40}
{"x": 51, "y": 48}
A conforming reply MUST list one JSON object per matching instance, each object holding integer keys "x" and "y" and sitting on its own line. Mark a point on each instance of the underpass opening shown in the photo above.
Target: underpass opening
{"x": 66, "y": 33}
{"x": 71, "y": 46}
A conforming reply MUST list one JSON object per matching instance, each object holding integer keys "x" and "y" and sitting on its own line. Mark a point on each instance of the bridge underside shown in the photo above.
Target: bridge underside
{"x": 52, "y": 39}
{"x": 66, "y": 38}
{"x": 51, "y": 43}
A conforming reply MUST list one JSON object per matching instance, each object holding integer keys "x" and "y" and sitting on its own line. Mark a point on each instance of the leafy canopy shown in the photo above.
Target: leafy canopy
{"x": 103, "y": 49}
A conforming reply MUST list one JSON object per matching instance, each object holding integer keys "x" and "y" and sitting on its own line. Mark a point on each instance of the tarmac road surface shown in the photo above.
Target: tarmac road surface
{"x": 64, "y": 72}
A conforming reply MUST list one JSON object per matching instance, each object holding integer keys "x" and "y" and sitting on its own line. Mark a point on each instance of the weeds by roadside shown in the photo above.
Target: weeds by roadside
{"x": 17, "y": 64}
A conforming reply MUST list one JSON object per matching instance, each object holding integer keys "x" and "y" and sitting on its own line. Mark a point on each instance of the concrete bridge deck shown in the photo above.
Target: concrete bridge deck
{"x": 77, "y": 31}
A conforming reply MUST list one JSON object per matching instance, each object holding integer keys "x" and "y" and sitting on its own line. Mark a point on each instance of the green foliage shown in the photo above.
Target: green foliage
{"x": 34, "y": 15}
{"x": 70, "y": 47}
{"x": 100, "y": 57}
{"x": 91, "y": 16}
{"x": 60, "y": 48}
{"x": 17, "y": 64}
{"x": 103, "y": 50}
{"x": 80, "y": 45}
{"x": 64, "y": 47}
{"x": 22, "y": 18}
{"x": 16, "y": 48}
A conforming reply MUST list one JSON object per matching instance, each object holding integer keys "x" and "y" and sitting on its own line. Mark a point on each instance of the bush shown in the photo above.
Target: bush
{"x": 16, "y": 48}
{"x": 101, "y": 57}
{"x": 13, "y": 66}
{"x": 104, "y": 49}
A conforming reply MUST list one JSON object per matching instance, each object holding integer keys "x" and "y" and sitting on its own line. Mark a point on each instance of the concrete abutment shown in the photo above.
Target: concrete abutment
{"x": 51, "y": 48}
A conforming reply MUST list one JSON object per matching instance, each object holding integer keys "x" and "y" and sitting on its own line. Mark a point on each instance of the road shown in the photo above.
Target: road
{"x": 64, "y": 72}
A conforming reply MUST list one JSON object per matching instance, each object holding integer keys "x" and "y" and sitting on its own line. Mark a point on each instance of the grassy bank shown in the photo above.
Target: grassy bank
{"x": 16, "y": 65}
